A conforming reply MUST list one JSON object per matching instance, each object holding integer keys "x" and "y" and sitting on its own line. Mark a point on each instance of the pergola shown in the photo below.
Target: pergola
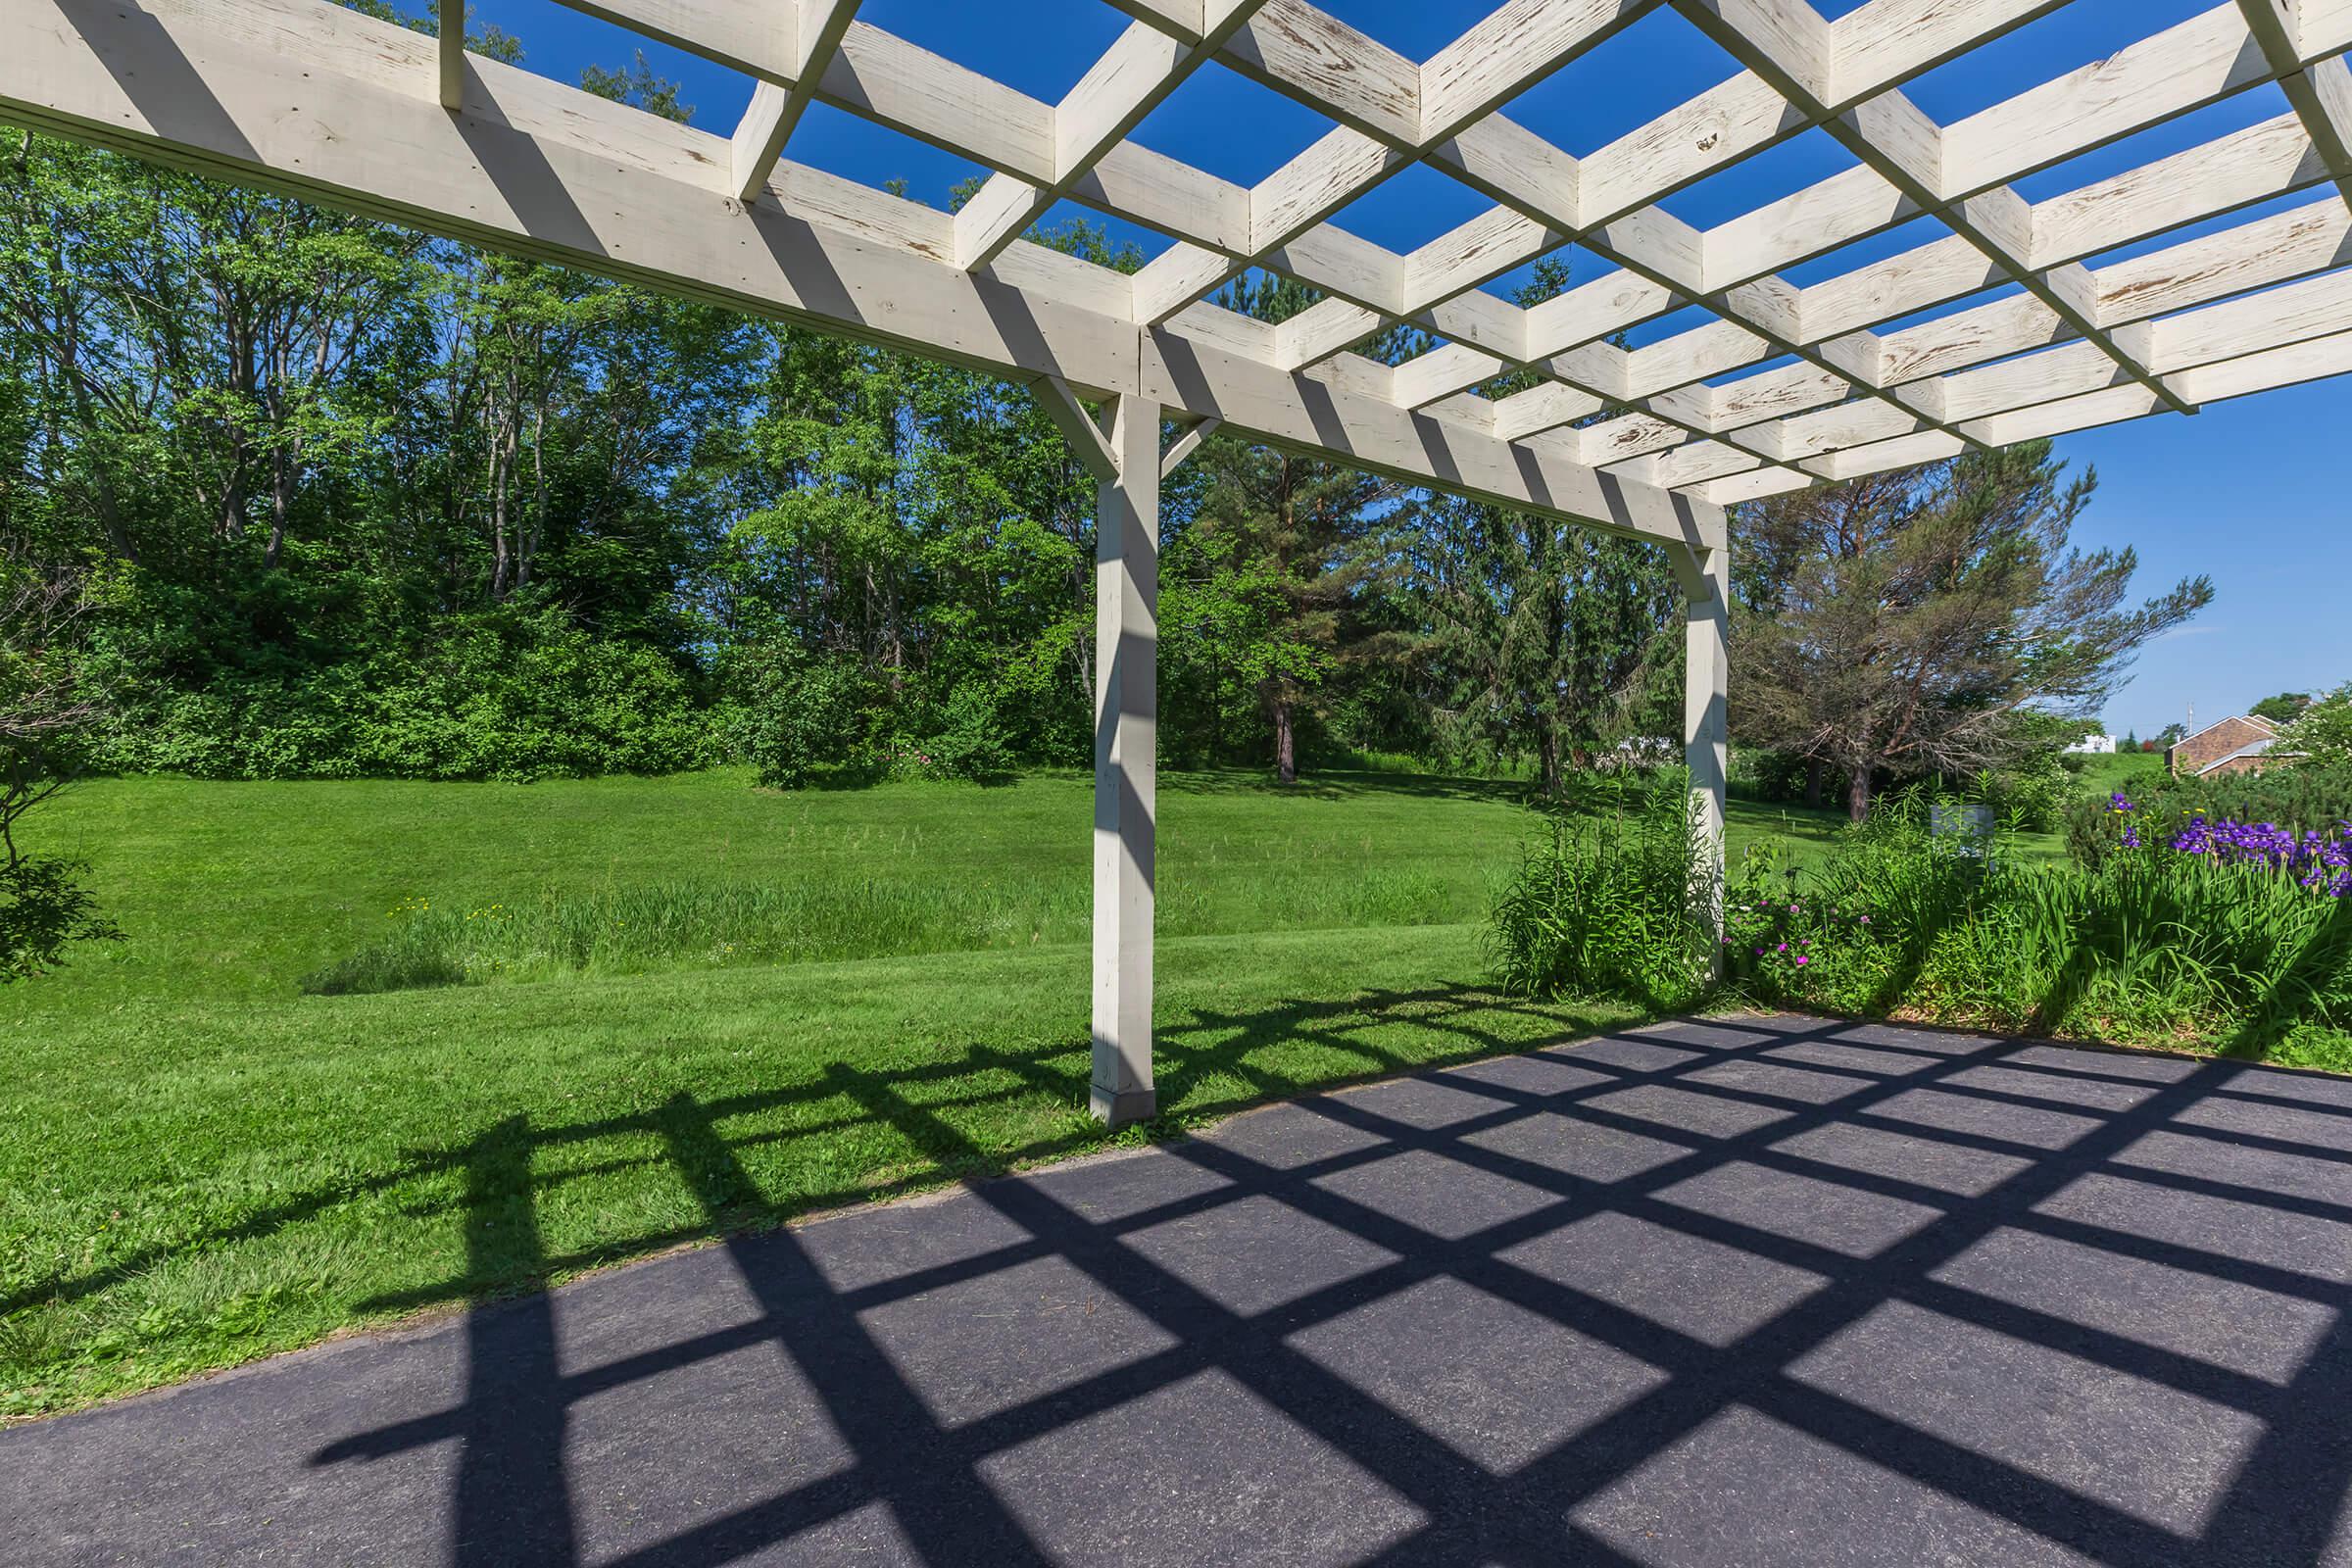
{"x": 1781, "y": 386}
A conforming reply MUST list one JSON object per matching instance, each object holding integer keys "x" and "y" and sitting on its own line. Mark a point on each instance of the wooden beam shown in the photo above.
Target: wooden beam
{"x": 2321, "y": 96}
{"x": 1786, "y": 41}
{"x": 1947, "y": 170}
{"x": 760, "y": 138}
{"x": 608, "y": 188}
{"x": 1887, "y": 41}
{"x": 1092, "y": 447}
{"x": 1310, "y": 55}
{"x": 1185, "y": 445}
{"x": 550, "y": 172}
{"x": 451, "y": 18}
{"x": 1134, "y": 76}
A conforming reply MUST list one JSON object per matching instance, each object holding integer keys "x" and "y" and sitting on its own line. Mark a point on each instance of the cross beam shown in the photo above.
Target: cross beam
{"x": 1851, "y": 397}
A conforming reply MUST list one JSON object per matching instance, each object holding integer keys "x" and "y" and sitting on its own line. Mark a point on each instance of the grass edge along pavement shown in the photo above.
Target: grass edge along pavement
{"x": 508, "y": 1167}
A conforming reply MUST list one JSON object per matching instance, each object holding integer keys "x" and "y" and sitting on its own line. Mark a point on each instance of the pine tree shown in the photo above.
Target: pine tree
{"x": 1908, "y": 624}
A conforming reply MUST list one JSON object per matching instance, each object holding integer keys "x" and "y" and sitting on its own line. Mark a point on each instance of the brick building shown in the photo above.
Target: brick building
{"x": 2243, "y": 744}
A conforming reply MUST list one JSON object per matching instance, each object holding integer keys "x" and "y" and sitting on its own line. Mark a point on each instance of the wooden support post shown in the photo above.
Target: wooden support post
{"x": 1126, "y": 761}
{"x": 1706, "y": 582}
{"x": 452, "y": 13}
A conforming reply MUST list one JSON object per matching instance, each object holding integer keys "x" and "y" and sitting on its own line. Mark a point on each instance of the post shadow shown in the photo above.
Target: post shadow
{"x": 512, "y": 1502}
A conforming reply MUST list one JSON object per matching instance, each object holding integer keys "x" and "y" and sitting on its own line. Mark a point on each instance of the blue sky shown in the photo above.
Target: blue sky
{"x": 2249, "y": 492}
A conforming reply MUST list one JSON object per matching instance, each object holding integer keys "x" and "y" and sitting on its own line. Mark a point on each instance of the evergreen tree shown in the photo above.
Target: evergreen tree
{"x": 1275, "y": 572}
{"x": 1910, "y": 623}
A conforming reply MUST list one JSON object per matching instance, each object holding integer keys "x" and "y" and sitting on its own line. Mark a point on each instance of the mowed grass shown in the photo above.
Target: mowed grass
{"x": 201, "y": 1163}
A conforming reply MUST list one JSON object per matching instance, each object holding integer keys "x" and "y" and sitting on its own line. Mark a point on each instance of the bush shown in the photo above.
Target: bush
{"x": 799, "y": 717}
{"x": 1759, "y": 773}
{"x": 2032, "y": 795}
{"x": 970, "y": 740}
{"x": 1610, "y": 906}
{"x": 506, "y": 696}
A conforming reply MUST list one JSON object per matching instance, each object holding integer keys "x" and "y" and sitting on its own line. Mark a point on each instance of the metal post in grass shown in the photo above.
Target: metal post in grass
{"x": 1125, "y": 460}
{"x": 1705, "y": 575}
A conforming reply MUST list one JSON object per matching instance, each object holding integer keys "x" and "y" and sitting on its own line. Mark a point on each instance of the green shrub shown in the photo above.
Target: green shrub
{"x": 1609, "y": 905}
{"x": 1760, "y": 773}
{"x": 2032, "y": 795}
{"x": 799, "y": 717}
{"x": 2302, "y": 797}
{"x": 505, "y": 695}
{"x": 970, "y": 741}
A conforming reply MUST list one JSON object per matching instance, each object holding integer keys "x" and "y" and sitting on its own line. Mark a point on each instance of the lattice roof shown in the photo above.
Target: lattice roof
{"x": 1783, "y": 385}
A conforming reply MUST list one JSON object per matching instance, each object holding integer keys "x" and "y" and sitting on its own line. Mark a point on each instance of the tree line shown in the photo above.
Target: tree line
{"x": 334, "y": 498}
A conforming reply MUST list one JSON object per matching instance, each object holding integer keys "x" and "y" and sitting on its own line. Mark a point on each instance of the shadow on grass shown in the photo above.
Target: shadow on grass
{"x": 1207, "y": 1069}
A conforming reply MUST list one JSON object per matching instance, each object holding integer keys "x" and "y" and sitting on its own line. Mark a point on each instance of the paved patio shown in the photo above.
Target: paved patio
{"x": 1743, "y": 1292}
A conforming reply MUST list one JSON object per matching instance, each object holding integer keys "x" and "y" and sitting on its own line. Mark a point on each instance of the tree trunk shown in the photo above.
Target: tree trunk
{"x": 1547, "y": 758}
{"x": 1286, "y": 743}
{"x": 1858, "y": 794}
{"x": 502, "y": 478}
{"x": 1813, "y": 777}
{"x": 281, "y": 505}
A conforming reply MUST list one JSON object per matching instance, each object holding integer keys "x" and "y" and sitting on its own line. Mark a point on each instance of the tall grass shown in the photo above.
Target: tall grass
{"x": 700, "y": 922}
{"x": 2150, "y": 947}
{"x": 1608, "y": 903}
{"x": 2147, "y": 946}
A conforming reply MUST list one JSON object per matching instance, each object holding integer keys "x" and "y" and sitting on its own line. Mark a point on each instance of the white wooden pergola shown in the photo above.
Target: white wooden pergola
{"x": 1783, "y": 386}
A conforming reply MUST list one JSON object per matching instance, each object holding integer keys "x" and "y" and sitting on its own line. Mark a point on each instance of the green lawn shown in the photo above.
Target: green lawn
{"x": 2120, "y": 770}
{"x": 200, "y": 1164}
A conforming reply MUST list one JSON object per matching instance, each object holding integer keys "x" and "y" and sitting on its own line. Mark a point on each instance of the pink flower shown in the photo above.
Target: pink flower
{"x": 1800, "y": 958}
{"x": 1866, "y": 920}
{"x": 1783, "y": 947}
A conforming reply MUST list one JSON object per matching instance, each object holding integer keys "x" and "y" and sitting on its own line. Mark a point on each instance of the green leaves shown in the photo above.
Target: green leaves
{"x": 43, "y": 911}
{"x": 1916, "y": 623}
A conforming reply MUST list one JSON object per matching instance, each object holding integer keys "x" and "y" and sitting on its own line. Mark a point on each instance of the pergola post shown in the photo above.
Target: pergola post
{"x": 1126, "y": 761}
{"x": 1706, "y": 577}
{"x": 1126, "y": 465}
